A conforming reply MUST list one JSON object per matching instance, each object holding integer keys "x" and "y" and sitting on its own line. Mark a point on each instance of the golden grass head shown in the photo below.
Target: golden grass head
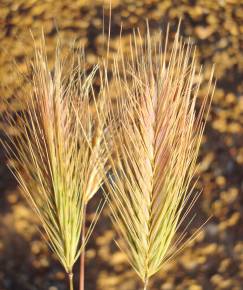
{"x": 53, "y": 158}
{"x": 156, "y": 144}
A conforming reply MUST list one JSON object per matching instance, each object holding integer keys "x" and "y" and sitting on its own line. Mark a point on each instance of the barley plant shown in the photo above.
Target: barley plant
{"x": 156, "y": 142}
{"x": 55, "y": 164}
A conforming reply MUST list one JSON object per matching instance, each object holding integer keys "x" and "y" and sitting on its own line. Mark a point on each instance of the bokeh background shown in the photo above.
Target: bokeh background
{"x": 215, "y": 259}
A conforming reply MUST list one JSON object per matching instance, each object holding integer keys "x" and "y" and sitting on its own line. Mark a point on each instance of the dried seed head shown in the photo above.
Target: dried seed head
{"x": 156, "y": 145}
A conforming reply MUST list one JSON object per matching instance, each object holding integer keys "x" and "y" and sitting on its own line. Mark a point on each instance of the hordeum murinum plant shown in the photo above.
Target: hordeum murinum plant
{"x": 155, "y": 146}
{"x": 54, "y": 164}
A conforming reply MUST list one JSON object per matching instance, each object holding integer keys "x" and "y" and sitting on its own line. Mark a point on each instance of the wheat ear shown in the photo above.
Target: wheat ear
{"x": 155, "y": 147}
{"x": 51, "y": 155}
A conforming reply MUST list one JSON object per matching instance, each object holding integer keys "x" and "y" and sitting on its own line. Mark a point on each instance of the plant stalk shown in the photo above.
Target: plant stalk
{"x": 82, "y": 255}
{"x": 145, "y": 285}
{"x": 70, "y": 278}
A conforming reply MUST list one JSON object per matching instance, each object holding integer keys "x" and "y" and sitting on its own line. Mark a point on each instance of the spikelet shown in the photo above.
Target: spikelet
{"x": 92, "y": 116}
{"x": 52, "y": 156}
{"x": 155, "y": 147}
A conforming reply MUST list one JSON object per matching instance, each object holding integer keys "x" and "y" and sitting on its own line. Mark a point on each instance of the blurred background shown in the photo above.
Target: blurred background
{"x": 215, "y": 259}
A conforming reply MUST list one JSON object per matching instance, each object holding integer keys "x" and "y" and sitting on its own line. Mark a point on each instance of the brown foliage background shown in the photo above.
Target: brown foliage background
{"x": 215, "y": 260}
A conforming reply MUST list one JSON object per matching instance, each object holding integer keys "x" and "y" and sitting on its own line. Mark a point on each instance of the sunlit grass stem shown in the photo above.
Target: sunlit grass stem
{"x": 70, "y": 278}
{"x": 145, "y": 285}
{"x": 82, "y": 256}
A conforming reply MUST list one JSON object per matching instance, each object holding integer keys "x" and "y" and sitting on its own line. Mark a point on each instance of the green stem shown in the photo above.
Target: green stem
{"x": 70, "y": 277}
{"x": 82, "y": 255}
